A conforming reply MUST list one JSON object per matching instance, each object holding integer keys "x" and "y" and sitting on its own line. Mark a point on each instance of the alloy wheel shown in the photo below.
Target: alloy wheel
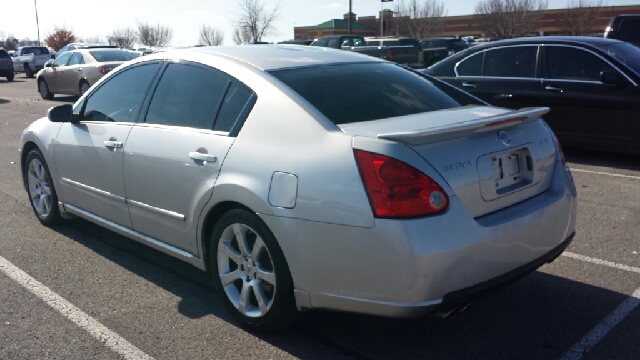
{"x": 39, "y": 188}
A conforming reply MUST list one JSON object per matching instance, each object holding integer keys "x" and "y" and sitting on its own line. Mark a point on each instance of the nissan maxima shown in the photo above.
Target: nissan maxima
{"x": 307, "y": 178}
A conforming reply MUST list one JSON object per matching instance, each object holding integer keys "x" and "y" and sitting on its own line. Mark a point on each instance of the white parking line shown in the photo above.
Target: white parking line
{"x": 605, "y": 173}
{"x": 601, "y": 262}
{"x": 579, "y": 349}
{"x": 112, "y": 340}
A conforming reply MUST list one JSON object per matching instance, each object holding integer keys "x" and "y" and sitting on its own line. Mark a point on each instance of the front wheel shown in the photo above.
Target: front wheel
{"x": 250, "y": 272}
{"x": 10, "y": 77}
{"x": 43, "y": 89}
{"x": 27, "y": 70}
{"x": 42, "y": 194}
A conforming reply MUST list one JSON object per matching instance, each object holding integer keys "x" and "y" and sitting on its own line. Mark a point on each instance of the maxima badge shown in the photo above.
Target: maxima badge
{"x": 504, "y": 137}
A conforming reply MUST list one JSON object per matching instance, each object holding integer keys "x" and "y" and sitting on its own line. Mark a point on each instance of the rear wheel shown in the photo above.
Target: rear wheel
{"x": 42, "y": 194}
{"x": 43, "y": 89}
{"x": 84, "y": 86}
{"x": 251, "y": 273}
{"x": 10, "y": 77}
{"x": 27, "y": 70}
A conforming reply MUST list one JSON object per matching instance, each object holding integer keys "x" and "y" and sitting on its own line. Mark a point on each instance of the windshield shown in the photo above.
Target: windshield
{"x": 352, "y": 93}
{"x": 112, "y": 55}
{"x": 625, "y": 53}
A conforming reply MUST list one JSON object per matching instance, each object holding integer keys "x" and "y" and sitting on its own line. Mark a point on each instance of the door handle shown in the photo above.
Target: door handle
{"x": 202, "y": 157}
{"x": 469, "y": 84}
{"x": 502, "y": 96}
{"x": 113, "y": 144}
{"x": 553, "y": 89}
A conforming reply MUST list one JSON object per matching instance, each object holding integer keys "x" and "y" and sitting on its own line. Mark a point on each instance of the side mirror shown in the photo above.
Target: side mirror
{"x": 61, "y": 113}
{"x": 49, "y": 63}
{"x": 612, "y": 78}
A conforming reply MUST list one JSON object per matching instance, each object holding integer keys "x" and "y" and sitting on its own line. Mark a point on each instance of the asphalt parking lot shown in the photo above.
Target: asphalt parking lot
{"x": 81, "y": 292}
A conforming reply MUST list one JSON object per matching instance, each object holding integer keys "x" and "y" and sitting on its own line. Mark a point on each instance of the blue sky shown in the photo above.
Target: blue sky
{"x": 90, "y": 18}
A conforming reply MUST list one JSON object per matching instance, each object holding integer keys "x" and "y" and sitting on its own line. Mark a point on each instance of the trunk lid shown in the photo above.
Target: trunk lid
{"x": 490, "y": 157}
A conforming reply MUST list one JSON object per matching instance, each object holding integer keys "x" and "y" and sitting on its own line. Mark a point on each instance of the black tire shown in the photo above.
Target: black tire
{"x": 40, "y": 189}
{"x": 43, "y": 89}
{"x": 247, "y": 272}
{"x": 10, "y": 77}
{"x": 27, "y": 71}
{"x": 84, "y": 86}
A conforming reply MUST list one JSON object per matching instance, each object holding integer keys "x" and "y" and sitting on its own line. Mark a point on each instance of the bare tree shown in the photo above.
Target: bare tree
{"x": 242, "y": 35}
{"x": 504, "y": 19}
{"x": 580, "y": 17}
{"x": 95, "y": 39}
{"x": 255, "y": 19}
{"x": 122, "y": 38}
{"x": 60, "y": 37}
{"x": 150, "y": 35}
{"x": 211, "y": 36}
{"x": 420, "y": 19}
{"x": 10, "y": 43}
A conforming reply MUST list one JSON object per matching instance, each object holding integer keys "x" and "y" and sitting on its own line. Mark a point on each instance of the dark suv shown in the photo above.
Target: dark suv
{"x": 436, "y": 49}
{"x": 6, "y": 65}
{"x": 625, "y": 28}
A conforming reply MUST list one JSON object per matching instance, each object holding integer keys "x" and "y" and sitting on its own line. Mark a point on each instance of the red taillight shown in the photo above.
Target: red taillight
{"x": 105, "y": 69}
{"x": 389, "y": 54}
{"x": 398, "y": 190}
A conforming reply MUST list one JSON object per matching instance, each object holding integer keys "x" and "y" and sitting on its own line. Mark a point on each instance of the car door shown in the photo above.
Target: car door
{"x": 506, "y": 76}
{"x": 89, "y": 152}
{"x": 53, "y": 75}
{"x": 70, "y": 78}
{"x": 585, "y": 111}
{"x": 172, "y": 160}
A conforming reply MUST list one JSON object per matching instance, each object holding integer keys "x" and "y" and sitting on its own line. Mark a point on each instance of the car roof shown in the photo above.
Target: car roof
{"x": 584, "y": 40}
{"x": 272, "y": 57}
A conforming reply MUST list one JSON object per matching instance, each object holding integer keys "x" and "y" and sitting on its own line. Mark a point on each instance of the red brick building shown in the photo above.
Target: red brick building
{"x": 466, "y": 25}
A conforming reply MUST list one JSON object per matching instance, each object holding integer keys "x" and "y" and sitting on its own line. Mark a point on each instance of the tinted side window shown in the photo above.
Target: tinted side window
{"x": 119, "y": 98}
{"x": 373, "y": 43}
{"x": 629, "y": 30}
{"x": 62, "y": 60}
{"x": 515, "y": 61}
{"x": 574, "y": 64}
{"x": 471, "y": 66}
{"x": 76, "y": 59}
{"x": 187, "y": 96}
{"x": 320, "y": 42}
{"x": 232, "y": 105}
{"x": 347, "y": 42}
{"x": 4, "y": 54}
{"x": 333, "y": 43}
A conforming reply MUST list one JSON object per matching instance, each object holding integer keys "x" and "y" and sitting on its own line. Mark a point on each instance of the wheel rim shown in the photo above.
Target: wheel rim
{"x": 246, "y": 270}
{"x": 39, "y": 189}
{"x": 44, "y": 91}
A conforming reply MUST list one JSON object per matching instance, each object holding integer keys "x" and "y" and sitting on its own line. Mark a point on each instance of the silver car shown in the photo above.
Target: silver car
{"x": 75, "y": 71}
{"x": 307, "y": 178}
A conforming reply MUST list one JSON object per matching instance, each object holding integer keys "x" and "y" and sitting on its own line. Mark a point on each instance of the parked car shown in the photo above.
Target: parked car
{"x": 75, "y": 71}
{"x": 406, "y": 55}
{"x": 625, "y": 28}
{"x": 307, "y": 178}
{"x": 74, "y": 46}
{"x": 6, "y": 65}
{"x": 590, "y": 84}
{"x": 30, "y": 59}
{"x": 398, "y": 41}
{"x": 297, "y": 42}
{"x": 436, "y": 49}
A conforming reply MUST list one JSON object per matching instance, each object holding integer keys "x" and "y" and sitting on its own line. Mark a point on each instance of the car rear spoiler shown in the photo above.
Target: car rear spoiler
{"x": 467, "y": 128}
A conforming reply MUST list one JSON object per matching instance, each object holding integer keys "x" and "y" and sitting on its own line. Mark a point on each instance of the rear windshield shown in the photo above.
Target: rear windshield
{"x": 112, "y": 55}
{"x": 350, "y": 93}
{"x": 4, "y": 54}
{"x": 625, "y": 53}
{"x": 36, "y": 50}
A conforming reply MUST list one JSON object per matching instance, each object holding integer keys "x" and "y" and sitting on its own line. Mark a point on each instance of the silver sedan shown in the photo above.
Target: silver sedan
{"x": 307, "y": 178}
{"x": 75, "y": 71}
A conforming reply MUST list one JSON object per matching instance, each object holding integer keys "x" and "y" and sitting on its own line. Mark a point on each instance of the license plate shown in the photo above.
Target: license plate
{"x": 507, "y": 170}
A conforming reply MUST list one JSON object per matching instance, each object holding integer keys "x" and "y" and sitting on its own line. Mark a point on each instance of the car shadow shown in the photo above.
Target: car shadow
{"x": 66, "y": 98}
{"x": 601, "y": 158}
{"x": 539, "y": 317}
{"x": 3, "y": 101}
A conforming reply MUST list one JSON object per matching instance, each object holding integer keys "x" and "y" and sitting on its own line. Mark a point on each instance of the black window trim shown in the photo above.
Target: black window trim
{"x": 536, "y": 76}
{"x": 584, "y": 81}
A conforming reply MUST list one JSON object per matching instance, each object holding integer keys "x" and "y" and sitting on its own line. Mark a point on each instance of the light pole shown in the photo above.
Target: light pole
{"x": 349, "y": 27}
{"x": 37, "y": 24}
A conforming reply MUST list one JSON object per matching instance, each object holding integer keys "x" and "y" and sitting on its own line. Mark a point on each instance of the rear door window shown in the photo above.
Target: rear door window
{"x": 187, "y": 95}
{"x": 235, "y": 100}
{"x": 513, "y": 62}
{"x": 569, "y": 63}
{"x": 352, "y": 93}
